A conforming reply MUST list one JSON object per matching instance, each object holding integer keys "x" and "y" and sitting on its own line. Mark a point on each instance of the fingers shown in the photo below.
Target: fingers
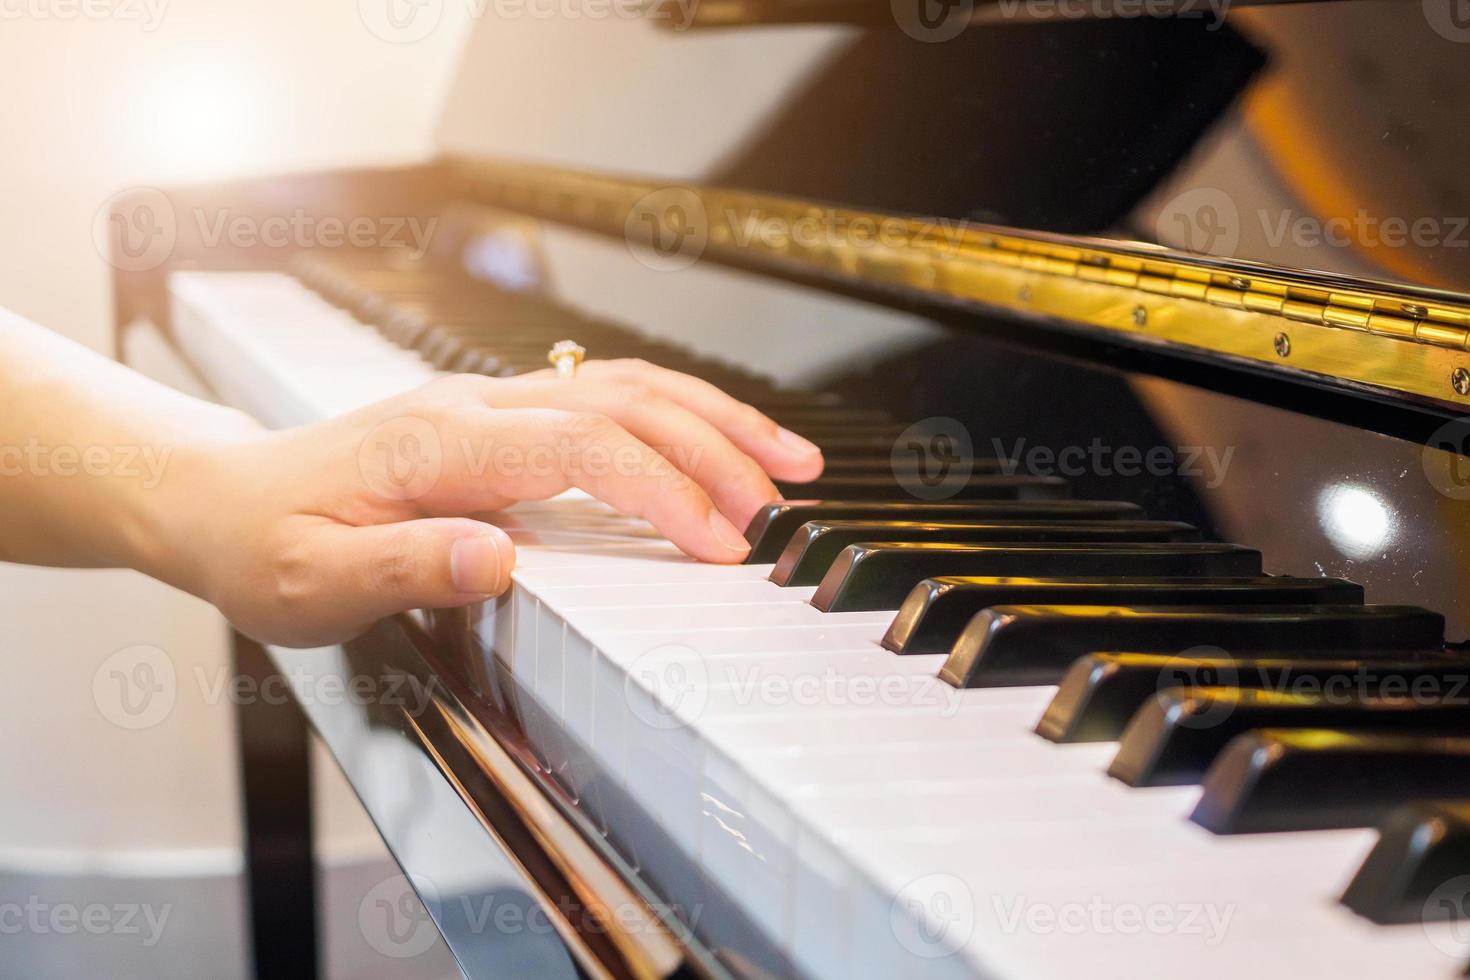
{"x": 541, "y": 452}
{"x": 780, "y": 452}
{"x": 377, "y": 570}
{"x": 735, "y": 482}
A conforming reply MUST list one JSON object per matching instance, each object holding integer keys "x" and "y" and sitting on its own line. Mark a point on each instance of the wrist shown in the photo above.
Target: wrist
{"x": 172, "y": 527}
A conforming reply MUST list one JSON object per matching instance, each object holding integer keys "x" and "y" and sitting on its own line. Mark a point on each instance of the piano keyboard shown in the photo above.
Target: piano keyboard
{"x": 867, "y": 783}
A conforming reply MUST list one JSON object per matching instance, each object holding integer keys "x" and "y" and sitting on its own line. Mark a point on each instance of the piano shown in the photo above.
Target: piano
{"x": 1123, "y": 634}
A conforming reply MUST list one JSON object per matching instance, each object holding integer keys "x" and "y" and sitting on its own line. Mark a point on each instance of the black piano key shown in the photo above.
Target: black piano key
{"x": 774, "y": 524}
{"x": 871, "y": 465}
{"x": 1422, "y": 847}
{"x": 814, "y": 547}
{"x": 1020, "y": 645}
{"x": 799, "y": 418}
{"x": 859, "y": 442}
{"x": 984, "y": 486}
{"x": 1100, "y": 692}
{"x": 879, "y": 576}
{"x": 936, "y": 611}
{"x": 1175, "y": 736}
{"x": 1274, "y": 780}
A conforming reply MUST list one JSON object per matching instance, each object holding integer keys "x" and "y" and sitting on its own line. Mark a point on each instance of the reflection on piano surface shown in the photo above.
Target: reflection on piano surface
{"x": 1130, "y": 603}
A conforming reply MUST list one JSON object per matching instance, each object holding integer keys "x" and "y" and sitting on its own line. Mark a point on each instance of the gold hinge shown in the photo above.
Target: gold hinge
{"x": 1395, "y": 338}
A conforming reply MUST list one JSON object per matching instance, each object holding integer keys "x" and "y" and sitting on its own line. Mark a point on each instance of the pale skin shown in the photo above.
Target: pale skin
{"x": 302, "y": 536}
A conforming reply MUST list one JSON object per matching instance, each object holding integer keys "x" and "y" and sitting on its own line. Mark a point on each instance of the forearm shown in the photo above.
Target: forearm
{"x": 97, "y": 462}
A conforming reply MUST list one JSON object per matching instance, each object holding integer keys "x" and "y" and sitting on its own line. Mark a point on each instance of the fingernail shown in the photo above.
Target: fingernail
{"x": 475, "y": 564}
{"x": 795, "y": 442}
{"x": 727, "y": 533}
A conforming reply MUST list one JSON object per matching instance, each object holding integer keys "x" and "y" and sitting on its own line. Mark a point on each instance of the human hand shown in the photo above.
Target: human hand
{"x": 309, "y": 535}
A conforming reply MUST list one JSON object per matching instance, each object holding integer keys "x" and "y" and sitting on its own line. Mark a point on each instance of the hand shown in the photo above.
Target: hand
{"x": 308, "y": 536}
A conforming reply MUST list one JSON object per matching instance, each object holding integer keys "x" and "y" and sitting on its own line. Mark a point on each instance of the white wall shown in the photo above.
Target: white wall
{"x": 88, "y": 107}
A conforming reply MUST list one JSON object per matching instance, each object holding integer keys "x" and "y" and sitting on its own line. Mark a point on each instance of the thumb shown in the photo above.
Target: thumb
{"x": 425, "y": 564}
